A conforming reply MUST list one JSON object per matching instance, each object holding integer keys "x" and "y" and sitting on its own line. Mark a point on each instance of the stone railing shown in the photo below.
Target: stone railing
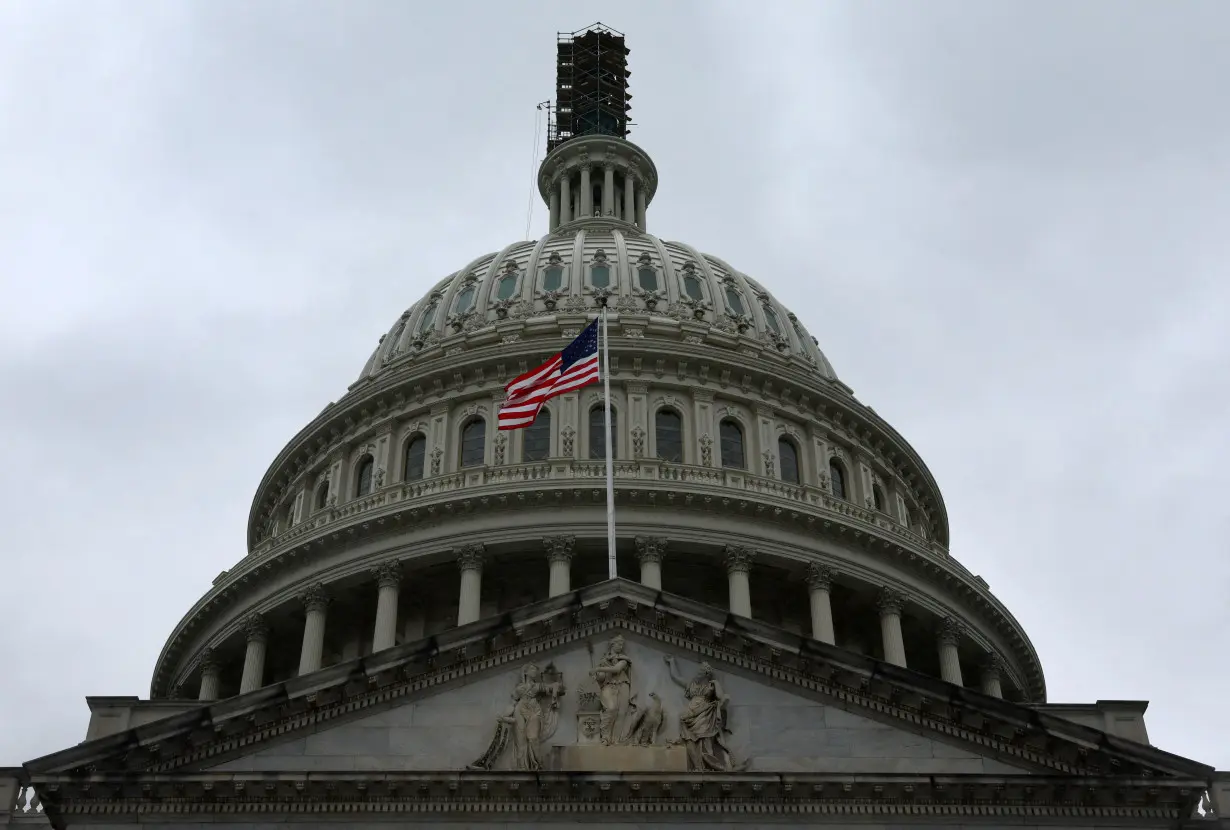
{"x": 18, "y": 800}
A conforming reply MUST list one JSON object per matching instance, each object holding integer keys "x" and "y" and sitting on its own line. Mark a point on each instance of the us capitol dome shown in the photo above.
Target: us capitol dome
{"x": 424, "y": 615}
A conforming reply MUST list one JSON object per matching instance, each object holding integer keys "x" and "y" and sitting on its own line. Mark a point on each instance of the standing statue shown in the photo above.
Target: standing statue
{"x": 703, "y": 721}
{"x": 613, "y": 674}
{"x": 531, "y": 720}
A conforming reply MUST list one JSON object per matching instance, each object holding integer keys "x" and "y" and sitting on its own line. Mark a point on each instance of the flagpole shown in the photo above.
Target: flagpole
{"x": 612, "y": 571}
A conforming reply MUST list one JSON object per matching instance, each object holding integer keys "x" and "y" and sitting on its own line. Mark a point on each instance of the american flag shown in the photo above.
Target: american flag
{"x": 574, "y": 367}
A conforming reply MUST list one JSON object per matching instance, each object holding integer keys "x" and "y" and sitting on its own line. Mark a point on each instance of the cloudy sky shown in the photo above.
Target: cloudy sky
{"x": 1005, "y": 221}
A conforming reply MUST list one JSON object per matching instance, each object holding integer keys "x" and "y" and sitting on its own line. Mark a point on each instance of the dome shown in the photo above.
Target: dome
{"x": 655, "y": 289}
{"x": 745, "y": 476}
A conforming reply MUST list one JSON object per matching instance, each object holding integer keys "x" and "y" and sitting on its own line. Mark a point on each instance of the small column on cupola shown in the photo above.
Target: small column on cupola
{"x": 592, "y": 173}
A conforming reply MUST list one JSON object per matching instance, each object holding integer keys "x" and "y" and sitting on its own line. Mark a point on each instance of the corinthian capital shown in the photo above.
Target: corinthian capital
{"x": 950, "y": 631}
{"x": 209, "y": 660}
{"x": 255, "y": 627}
{"x": 992, "y": 665}
{"x": 470, "y": 557}
{"x": 387, "y": 574}
{"x": 559, "y": 548}
{"x": 819, "y": 577}
{"x": 650, "y": 549}
{"x": 738, "y": 559}
{"x": 890, "y": 601}
{"x": 314, "y": 597}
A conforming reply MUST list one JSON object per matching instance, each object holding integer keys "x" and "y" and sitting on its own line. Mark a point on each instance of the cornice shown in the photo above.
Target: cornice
{"x": 399, "y": 507}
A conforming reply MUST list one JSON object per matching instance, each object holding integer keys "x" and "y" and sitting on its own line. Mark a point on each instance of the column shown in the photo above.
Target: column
{"x": 257, "y": 632}
{"x": 629, "y": 199}
{"x": 819, "y": 585}
{"x": 738, "y": 565}
{"x": 210, "y": 675}
{"x": 586, "y": 203}
{"x": 316, "y": 603}
{"x": 559, "y": 554}
{"x": 608, "y": 189}
{"x": 565, "y": 197}
{"x": 890, "y": 604}
{"x": 949, "y": 637}
{"x": 469, "y": 603}
{"x": 554, "y": 223}
{"x": 388, "y": 584}
{"x": 650, "y": 550}
{"x": 992, "y": 667}
{"x": 640, "y": 207}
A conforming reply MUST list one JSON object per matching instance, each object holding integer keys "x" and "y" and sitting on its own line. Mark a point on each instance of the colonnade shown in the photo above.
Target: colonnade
{"x": 570, "y": 201}
{"x": 559, "y": 550}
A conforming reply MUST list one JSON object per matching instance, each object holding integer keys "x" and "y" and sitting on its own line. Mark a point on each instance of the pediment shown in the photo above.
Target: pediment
{"x": 795, "y": 705}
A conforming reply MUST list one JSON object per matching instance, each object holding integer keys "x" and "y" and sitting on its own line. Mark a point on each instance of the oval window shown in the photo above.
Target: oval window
{"x": 465, "y": 300}
{"x": 508, "y": 284}
{"x": 691, "y": 287}
{"x": 734, "y": 301}
{"x": 771, "y": 319}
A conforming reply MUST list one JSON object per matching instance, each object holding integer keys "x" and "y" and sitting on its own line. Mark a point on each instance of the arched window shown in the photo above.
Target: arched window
{"x": 536, "y": 440}
{"x": 465, "y": 300}
{"x": 474, "y": 443}
{"x": 363, "y": 482}
{"x": 734, "y": 301}
{"x": 415, "y": 458}
{"x": 911, "y": 518}
{"x": 668, "y": 435}
{"x": 322, "y": 495}
{"x": 838, "y": 478}
{"x": 691, "y": 287}
{"x": 506, "y": 286}
{"x": 877, "y": 497}
{"x": 600, "y": 276}
{"x": 788, "y": 460}
{"x": 597, "y": 447}
{"x": 289, "y": 521}
{"x": 553, "y": 278}
{"x": 731, "y": 435}
{"x": 771, "y": 319}
{"x": 648, "y": 278}
{"x": 428, "y": 317}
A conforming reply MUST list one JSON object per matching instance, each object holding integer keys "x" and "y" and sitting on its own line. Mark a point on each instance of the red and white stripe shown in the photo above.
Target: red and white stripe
{"x": 528, "y": 393}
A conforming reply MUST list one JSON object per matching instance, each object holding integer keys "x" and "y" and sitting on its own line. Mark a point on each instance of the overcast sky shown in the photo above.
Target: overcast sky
{"x": 1008, "y": 224}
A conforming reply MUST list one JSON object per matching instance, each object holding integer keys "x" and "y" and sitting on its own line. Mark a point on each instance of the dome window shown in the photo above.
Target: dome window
{"x": 465, "y": 300}
{"x": 691, "y": 287}
{"x": 771, "y": 318}
{"x": 837, "y": 477}
{"x": 600, "y": 276}
{"x": 416, "y": 456}
{"x": 553, "y": 278}
{"x": 536, "y": 440}
{"x": 877, "y": 497}
{"x": 597, "y": 446}
{"x": 734, "y": 302}
{"x": 668, "y": 435}
{"x": 731, "y": 435}
{"x": 474, "y": 443}
{"x": 363, "y": 483}
{"x": 788, "y": 460}
{"x": 648, "y": 279}
{"x": 429, "y": 317}
{"x": 506, "y": 287}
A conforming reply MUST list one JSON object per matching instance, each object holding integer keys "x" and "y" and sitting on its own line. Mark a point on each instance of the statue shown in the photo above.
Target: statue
{"x": 647, "y": 723}
{"x": 613, "y": 674}
{"x": 703, "y": 721}
{"x": 530, "y": 722}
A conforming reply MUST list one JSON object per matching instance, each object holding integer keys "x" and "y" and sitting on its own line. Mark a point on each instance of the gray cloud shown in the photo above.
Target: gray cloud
{"x": 1004, "y": 222}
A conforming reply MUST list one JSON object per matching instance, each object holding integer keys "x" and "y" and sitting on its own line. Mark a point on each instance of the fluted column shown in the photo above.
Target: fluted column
{"x": 640, "y": 207}
{"x": 559, "y": 554}
{"x": 469, "y": 603}
{"x": 316, "y": 604}
{"x": 948, "y": 639}
{"x": 257, "y": 632}
{"x": 608, "y": 190}
{"x": 991, "y": 670}
{"x": 388, "y": 586}
{"x": 210, "y": 675}
{"x": 629, "y": 198}
{"x": 738, "y": 565}
{"x": 650, "y": 550}
{"x": 819, "y": 586}
{"x": 586, "y": 203}
{"x": 554, "y": 223}
{"x": 565, "y": 199}
{"x": 890, "y": 604}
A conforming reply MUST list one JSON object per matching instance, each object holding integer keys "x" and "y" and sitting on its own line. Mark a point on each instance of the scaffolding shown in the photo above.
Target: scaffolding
{"x": 591, "y": 85}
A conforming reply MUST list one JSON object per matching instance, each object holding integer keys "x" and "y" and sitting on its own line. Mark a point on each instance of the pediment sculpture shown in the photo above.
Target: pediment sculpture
{"x": 530, "y": 722}
{"x": 704, "y": 721}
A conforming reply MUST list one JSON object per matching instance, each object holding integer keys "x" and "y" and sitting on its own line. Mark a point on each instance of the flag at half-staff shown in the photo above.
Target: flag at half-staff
{"x": 576, "y": 366}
